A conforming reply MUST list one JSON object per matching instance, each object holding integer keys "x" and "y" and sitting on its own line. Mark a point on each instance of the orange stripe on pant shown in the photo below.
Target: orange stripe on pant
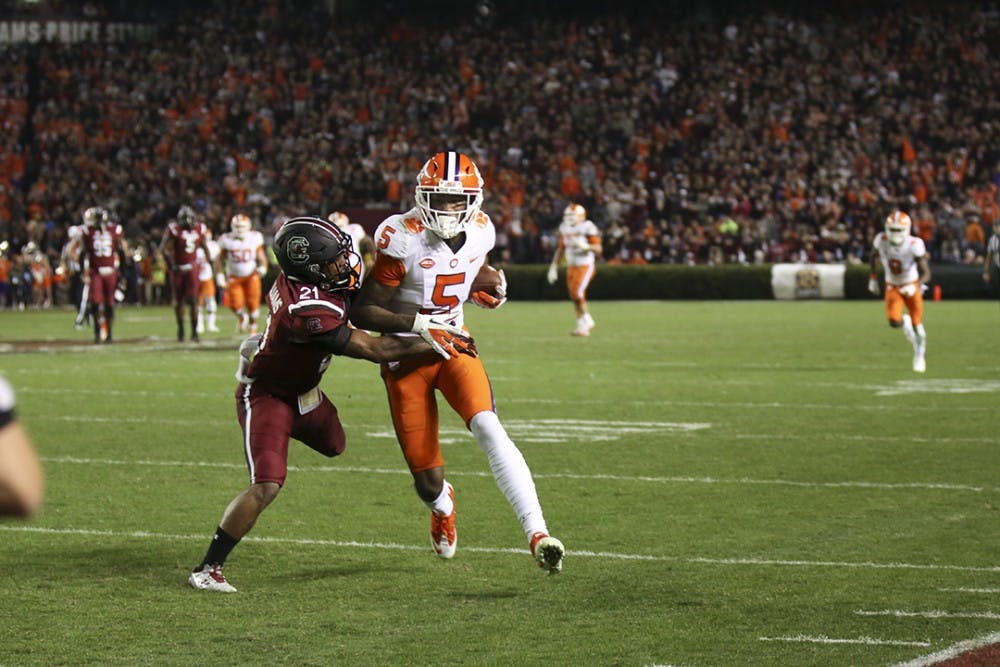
{"x": 577, "y": 280}
{"x": 463, "y": 383}
{"x": 894, "y": 302}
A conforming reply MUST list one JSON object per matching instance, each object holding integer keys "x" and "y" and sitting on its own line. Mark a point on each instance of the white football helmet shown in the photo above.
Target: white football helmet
{"x": 95, "y": 216}
{"x": 574, "y": 214}
{"x": 897, "y": 227}
{"x": 240, "y": 225}
{"x": 339, "y": 219}
{"x": 447, "y": 179}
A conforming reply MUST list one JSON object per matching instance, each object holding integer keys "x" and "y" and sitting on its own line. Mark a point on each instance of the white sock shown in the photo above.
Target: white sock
{"x": 210, "y": 309}
{"x": 588, "y": 320}
{"x": 920, "y": 336}
{"x": 443, "y": 504}
{"x": 908, "y": 329}
{"x": 510, "y": 471}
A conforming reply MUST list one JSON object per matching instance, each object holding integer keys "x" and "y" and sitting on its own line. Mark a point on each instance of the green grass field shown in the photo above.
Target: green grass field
{"x": 737, "y": 483}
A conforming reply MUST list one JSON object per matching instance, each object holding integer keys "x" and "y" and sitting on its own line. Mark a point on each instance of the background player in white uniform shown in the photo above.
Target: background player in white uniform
{"x": 425, "y": 264}
{"x": 579, "y": 243}
{"x": 207, "y": 304}
{"x": 362, "y": 242}
{"x": 246, "y": 266}
{"x": 904, "y": 261}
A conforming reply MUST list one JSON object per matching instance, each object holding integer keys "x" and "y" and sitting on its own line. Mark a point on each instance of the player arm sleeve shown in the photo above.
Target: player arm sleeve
{"x": 334, "y": 341}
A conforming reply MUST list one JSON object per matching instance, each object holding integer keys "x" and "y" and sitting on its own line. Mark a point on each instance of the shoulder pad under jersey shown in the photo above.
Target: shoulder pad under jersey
{"x": 397, "y": 234}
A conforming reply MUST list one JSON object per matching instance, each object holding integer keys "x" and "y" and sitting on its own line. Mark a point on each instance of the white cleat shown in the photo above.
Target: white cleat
{"x": 210, "y": 578}
{"x": 548, "y": 552}
{"x": 919, "y": 365}
{"x": 444, "y": 534}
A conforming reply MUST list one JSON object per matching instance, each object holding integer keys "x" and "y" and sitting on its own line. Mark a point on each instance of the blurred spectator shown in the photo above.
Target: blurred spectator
{"x": 801, "y": 129}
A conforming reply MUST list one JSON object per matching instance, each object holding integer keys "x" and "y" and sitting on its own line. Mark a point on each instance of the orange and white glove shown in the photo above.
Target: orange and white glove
{"x": 487, "y": 300}
{"x": 908, "y": 290}
{"x": 873, "y": 286}
{"x": 552, "y": 275}
{"x": 220, "y": 279}
{"x": 447, "y": 339}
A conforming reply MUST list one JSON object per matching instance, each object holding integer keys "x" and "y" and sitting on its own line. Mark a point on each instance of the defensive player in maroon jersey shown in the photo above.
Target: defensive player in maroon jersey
{"x": 278, "y": 396}
{"x": 180, "y": 247}
{"x": 101, "y": 242}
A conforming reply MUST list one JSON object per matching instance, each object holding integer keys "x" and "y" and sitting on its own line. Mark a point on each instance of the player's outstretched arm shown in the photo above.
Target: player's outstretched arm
{"x": 392, "y": 348}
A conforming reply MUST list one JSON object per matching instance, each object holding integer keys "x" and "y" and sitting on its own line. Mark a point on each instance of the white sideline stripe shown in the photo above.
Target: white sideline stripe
{"x": 952, "y": 651}
{"x": 555, "y": 475}
{"x": 494, "y": 550}
{"x": 549, "y": 401}
{"x": 970, "y": 590}
{"x": 934, "y": 613}
{"x": 823, "y": 639}
{"x": 858, "y": 564}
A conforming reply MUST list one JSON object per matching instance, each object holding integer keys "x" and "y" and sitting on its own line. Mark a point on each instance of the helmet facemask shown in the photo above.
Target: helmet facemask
{"x": 447, "y": 213}
{"x": 897, "y": 227}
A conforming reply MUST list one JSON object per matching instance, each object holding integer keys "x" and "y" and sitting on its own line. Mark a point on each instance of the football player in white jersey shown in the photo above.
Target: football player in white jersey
{"x": 425, "y": 263}
{"x": 579, "y": 243}
{"x": 359, "y": 237}
{"x": 907, "y": 272}
{"x": 246, "y": 266}
{"x": 207, "y": 305}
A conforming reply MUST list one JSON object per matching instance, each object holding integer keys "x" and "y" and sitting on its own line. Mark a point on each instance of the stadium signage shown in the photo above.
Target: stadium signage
{"x": 72, "y": 32}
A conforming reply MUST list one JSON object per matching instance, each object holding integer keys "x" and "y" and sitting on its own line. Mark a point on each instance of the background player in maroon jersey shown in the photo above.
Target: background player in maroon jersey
{"x": 278, "y": 395}
{"x": 180, "y": 246}
{"x": 101, "y": 243}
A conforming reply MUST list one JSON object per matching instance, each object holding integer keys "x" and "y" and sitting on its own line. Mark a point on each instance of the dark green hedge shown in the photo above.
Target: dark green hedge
{"x": 670, "y": 281}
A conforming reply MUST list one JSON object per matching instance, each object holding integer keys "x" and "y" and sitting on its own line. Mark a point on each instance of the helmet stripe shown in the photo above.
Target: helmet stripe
{"x": 451, "y": 166}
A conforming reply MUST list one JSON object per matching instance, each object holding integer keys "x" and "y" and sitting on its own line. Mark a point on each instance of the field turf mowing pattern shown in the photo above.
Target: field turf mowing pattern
{"x": 737, "y": 483}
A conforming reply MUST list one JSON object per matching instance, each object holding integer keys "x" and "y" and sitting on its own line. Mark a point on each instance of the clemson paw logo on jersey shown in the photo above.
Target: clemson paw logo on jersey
{"x": 298, "y": 249}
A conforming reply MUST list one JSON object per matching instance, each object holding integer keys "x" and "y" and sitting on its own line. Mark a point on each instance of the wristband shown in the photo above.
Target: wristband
{"x": 873, "y": 276}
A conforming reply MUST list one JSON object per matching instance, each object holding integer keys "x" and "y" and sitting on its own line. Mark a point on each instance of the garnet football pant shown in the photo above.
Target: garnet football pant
{"x": 268, "y": 422}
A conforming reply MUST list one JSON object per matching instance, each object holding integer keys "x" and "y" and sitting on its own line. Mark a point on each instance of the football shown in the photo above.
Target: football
{"x": 487, "y": 280}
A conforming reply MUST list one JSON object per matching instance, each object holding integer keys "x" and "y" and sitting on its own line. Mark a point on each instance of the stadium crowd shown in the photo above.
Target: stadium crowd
{"x": 761, "y": 137}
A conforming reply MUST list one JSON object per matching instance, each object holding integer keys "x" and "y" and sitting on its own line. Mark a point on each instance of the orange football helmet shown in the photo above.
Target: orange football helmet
{"x": 339, "y": 219}
{"x": 449, "y": 193}
{"x": 574, "y": 214}
{"x": 240, "y": 225}
{"x": 897, "y": 227}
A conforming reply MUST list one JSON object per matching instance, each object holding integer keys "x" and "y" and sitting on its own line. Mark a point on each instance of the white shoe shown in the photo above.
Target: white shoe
{"x": 580, "y": 331}
{"x": 444, "y": 535}
{"x": 214, "y": 329}
{"x": 919, "y": 365}
{"x": 210, "y": 578}
{"x": 548, "y": 552}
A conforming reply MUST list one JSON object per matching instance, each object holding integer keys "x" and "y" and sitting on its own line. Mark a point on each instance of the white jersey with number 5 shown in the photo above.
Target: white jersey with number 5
{"x": 430, "y": 277}
{"x": 900, "y": 261}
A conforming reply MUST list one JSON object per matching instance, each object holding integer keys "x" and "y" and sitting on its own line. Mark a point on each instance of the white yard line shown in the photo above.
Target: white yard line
{"x": 934, "y": 613}
{"x": 460, "y": 473}
{"x": 952, "y": 651}
{"x": 571, "y": 553}
{"x": 985, "y": 591}
{"x": 823, "y": 639}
